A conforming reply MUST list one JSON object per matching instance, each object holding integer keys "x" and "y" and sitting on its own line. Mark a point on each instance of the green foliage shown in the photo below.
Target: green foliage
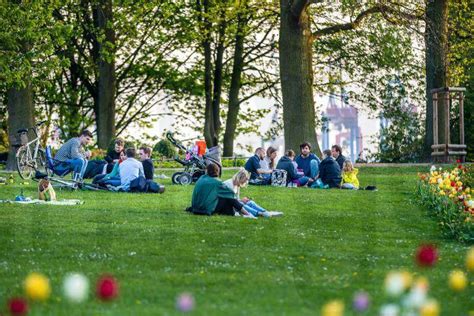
{"x": 165, "y": 148}
{"x": 400, "y": 140}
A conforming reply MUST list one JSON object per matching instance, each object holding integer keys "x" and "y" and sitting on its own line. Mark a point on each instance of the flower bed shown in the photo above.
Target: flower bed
{"x": 448, "y": 198}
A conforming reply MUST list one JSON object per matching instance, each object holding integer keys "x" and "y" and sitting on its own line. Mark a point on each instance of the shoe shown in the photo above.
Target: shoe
{"x": 249, "y": 216}
{"x": 266, "y": 214}
{"x": 274, "y": 213}
{"x": 237, "y": 214}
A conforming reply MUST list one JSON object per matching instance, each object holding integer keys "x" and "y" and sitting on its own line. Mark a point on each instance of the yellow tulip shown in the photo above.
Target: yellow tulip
{"x": 333, "y": 308}
{"x": 430, "y": 308}
{"x": 457, "y": 280}
{"x": 37, "y": 287}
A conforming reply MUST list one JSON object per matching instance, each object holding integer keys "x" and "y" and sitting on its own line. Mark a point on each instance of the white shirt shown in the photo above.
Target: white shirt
{"x": 230, "y": 184}
{"x": 265, "y": 163}
{"x": 130, "y": 169}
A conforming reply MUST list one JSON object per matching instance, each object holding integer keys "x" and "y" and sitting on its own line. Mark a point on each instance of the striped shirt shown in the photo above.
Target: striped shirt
{"x": 72, "y": 149}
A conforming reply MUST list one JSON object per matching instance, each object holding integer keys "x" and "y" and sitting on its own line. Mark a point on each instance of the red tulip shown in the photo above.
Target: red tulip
{"x": 18, "y": 306}
{"x": 107, "y": 288}
{"x": 426, "y": 255}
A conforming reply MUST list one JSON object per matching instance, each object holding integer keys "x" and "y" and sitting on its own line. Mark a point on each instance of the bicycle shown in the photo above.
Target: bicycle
{"x": 31, "y": 156}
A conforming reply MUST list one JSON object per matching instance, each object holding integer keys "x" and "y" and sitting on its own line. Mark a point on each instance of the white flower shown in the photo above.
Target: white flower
{"x": 433, "y": 168}
{"x": 470, "y": 203}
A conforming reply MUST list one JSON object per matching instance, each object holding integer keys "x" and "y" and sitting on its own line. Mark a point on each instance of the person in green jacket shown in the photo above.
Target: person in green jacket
{"x": 211, "y": 196}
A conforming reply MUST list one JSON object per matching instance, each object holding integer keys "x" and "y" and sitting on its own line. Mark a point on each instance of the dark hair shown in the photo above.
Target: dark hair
{"x": 146, "y": 150}
{"x": 130, "y": 152}
{"x": 87, "y": 133}
{"x": 119, "y": 142}
{"x": 303, "y": 145}
{"x": 212, "y": 170}
{"x": 270, "y": 151}
{"x": 327, "y": 152}
{"x": 290, "y": 153}
{"x": 337, "y": 148}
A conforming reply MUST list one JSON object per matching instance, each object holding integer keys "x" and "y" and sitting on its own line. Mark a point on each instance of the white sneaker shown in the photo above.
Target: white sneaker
{"x": 236, "y": 214}
{"x": 274, "y": 214}
{"x": 249, "y": 216}
{"x": 266, "y": 214}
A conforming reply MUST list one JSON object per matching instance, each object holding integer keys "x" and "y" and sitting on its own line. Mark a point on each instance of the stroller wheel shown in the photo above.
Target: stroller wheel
{"x": 175, "y": 177}
{"x": 185, "y": 179}
{"x": 197, "y": 175}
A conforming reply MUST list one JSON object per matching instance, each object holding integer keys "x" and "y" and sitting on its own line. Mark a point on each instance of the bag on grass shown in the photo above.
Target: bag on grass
{"x": 279, "y": 178}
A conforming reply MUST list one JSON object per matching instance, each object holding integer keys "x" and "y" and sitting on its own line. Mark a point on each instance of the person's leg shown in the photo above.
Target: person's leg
{"x": 348, "y": 186}
{"x": 255, "y": 206}
{"x": 314, "y": 168}
{"x": 303, "y": 180}
{"x": 98, "y": 178}
{"x": 226, "y": 206}
{"x": 78, "y": 167}
{"x": 113, "y": 182}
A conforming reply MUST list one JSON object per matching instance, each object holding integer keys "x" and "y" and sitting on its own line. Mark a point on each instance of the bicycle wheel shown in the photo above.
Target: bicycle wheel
{"x": 24, "y": 163}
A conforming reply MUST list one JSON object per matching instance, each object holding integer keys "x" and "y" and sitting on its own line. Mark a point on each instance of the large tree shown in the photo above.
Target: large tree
{"x": 26, "y": 60}
{"x": 436, "y": 62}
{"x": 297, "y": 40}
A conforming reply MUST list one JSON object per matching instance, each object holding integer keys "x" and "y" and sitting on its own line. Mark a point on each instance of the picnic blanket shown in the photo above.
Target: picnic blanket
{"x": 36, "y": 201}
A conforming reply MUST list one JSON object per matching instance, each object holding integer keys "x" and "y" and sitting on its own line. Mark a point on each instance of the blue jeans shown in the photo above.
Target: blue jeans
{"x": 77, "y": 166}
{"x": 114, "y": 181}
{"x": 253, "y": 208}
{"x": 314, "y": 168}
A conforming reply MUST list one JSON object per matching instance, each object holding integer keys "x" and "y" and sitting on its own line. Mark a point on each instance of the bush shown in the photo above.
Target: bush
{"x": 448, "y": 199}
{"x": 165, "y": 148}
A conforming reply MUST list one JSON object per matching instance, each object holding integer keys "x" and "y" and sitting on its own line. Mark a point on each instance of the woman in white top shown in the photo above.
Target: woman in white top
{"x": 268, "y": 163}
{"x": 240, "y": 179}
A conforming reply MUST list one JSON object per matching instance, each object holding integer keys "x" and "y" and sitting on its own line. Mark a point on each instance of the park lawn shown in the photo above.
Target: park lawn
{"x": 328, "y": 245}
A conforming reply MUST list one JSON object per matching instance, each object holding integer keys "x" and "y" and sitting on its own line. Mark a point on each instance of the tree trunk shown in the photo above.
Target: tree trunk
{"x": 235, "y": 84}
{"x": 208, "y": 114}
{"x": 436, "y": 66}
{"x": 296, "y": 73}
{"x": 105, "y": 106}
{"x": 20, "y": 115}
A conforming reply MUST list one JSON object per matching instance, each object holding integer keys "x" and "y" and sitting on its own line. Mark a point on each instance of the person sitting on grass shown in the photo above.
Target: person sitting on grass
{"x": 329, "y": 171}
{"x": 130, "y": 169}
{"x": 239, "y": 180}
{"x": 268, "y": 162}
{"x": 145, "y": 157}
{"x": 307, "y": 161}
{"x": 211, "y": 196}
{"x": 113, "y": 177}
{"x": 336, "y": 152}
{"x": 349, "y": 176}
{"x": 113, "y": 156}
{"x": 292, "y": 176}
{"x": 257, "y": 174}
{"x": 72, "y": 157}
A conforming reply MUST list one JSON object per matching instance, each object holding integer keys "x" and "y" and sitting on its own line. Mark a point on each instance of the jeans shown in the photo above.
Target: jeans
{"x": 226, "y": 206}
{"x": 314, "y": 165}
{"x": 77, "y": 166}
{"x": 114, "y": 181}
{"x": 253, "y": 208}
{"x": 301, "y": 181}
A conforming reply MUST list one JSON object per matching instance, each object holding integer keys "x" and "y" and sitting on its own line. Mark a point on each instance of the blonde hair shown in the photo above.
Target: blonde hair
{"x": 241, "y": 178}
{"x": 347, "y": 166}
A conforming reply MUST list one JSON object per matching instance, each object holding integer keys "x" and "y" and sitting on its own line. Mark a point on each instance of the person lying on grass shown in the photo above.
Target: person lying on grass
{"x": 239, "y": 180}
{"x": 211, "y": 196}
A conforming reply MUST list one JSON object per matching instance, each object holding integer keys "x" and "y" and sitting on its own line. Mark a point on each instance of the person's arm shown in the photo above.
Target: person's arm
{"x": 109, "y": 158}
{"x": 141, "y": 173}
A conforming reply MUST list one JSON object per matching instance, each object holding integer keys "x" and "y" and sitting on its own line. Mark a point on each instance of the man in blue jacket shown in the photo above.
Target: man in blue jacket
{"x": 329, "y": 170}
{"x": 307, "y": 161}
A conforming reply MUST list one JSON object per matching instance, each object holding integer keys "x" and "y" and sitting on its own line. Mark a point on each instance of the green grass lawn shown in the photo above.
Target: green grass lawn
{"x": 328, "y": 245}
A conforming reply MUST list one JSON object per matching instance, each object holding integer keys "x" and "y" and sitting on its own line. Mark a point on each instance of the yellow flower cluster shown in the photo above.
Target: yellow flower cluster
{"x": 448, "y": 183}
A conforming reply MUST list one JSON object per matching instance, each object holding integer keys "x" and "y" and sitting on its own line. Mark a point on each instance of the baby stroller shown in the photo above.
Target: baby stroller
{"x": 194, "y": 164}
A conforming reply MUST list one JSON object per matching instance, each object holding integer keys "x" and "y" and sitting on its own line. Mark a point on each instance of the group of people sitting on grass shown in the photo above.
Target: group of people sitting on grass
{"x": 213, "y": 196}
{"x": 306, "y": 169}
{"x": 120, "y": 171}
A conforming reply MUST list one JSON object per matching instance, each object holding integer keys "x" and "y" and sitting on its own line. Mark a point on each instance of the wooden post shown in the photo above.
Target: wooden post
{"x": 461, "y": 121}
{"x": 447, "y": 136}
{"x": 435, "y": 119}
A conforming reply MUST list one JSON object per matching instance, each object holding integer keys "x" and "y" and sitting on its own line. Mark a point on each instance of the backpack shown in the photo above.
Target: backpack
{"x": 279, "y": 178}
